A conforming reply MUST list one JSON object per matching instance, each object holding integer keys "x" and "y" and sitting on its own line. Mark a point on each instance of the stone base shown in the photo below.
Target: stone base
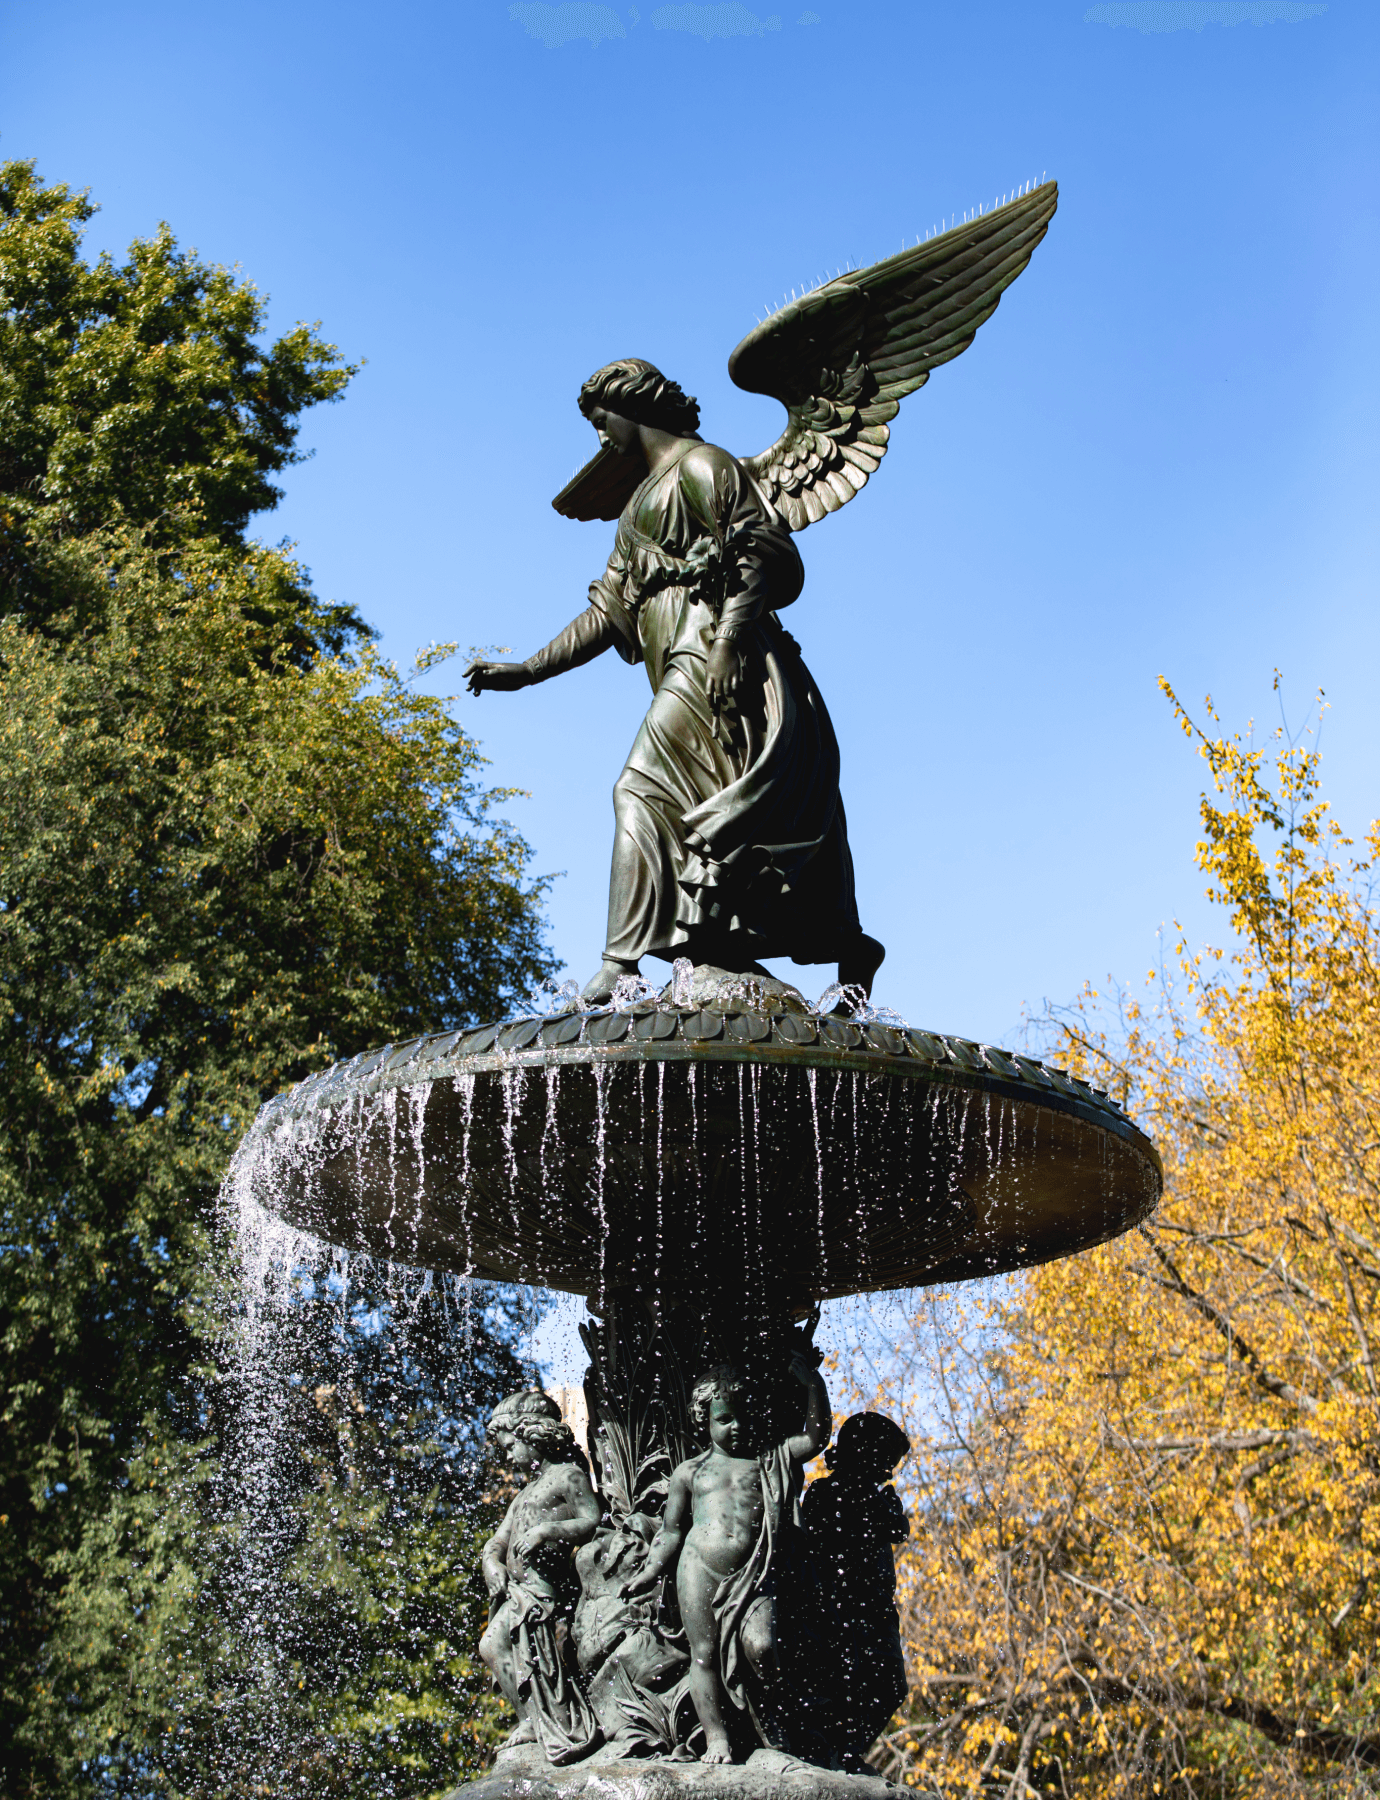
{"x": 722, "y": 989}
{"x": 525, "y": 1774}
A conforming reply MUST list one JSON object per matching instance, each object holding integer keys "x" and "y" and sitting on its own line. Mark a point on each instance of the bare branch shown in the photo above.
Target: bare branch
{"x": 1272, "y": 1384}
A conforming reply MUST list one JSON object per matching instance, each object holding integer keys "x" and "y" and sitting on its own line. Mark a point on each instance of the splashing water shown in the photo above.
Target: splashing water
{"x": 548, "y": 1000}
{"x": 839, "y": 998}
{"x": 345, "y": 1415}
{"x": 682, "y": 981}
{"x": 848, "y": 1000}
{"x": 631, "y": 990}
{"x": 551, "y": 999}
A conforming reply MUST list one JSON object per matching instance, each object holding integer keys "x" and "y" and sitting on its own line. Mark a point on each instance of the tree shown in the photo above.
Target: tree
{"x": 138, "y": 393}
{"x": 310, "y": 1601}
{"x": 234, "y": 845}
{"x": 1147, "y": 1533}
{"x": 219, "y": 873}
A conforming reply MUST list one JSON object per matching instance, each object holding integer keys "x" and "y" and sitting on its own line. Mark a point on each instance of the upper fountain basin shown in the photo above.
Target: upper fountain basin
{"x": 659, "y": 1146}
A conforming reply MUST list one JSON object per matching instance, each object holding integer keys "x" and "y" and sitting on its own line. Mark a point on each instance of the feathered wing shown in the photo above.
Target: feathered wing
{"x": 842, "y": 358}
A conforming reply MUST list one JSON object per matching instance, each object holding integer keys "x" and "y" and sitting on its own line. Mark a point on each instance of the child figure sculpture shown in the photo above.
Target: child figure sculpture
{"x": 852, "y": 1520}
{"x": 730, "y": 1515}
{"x": 530, "y": 1574}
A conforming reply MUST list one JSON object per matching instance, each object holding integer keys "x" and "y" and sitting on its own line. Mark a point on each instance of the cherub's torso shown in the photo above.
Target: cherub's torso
{"x": 726, "y": 1509}
{"x": 545, "y": 1499}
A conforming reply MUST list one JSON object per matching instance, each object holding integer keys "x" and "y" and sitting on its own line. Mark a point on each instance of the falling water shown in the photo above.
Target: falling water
{"x": 346, "y": 1404}
{"x": 600, "y": 1145}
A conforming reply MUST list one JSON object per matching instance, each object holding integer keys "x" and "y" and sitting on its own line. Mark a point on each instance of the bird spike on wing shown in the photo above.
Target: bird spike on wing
{"x": 842, "y": 357}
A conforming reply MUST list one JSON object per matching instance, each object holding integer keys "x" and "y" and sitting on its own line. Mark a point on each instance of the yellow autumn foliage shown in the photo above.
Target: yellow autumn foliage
{"x": 1147, "y": 1500}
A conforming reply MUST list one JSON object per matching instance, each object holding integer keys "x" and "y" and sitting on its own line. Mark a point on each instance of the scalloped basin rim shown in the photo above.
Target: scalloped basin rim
{"x": 678, "y": 1033}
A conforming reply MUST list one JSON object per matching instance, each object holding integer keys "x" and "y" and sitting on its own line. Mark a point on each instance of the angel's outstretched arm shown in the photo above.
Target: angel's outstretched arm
{"x": 582, "y": 640}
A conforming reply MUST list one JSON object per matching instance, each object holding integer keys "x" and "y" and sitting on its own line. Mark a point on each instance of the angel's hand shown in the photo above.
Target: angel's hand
{"x": 503, "y": 677}
{"x": 723, "y": 671}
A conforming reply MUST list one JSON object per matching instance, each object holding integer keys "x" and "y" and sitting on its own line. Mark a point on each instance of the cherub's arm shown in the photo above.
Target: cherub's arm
{"x": 494, "y": 1560}
{"x": 805, "y": 1447}
{"x": 666, "y": 1545}
{"x": 573, "y": 1491}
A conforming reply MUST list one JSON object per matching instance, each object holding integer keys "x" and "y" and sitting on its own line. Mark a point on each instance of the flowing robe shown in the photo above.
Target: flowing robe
{"x": 730, "y": 835}
{"x": 566, "y": 1727}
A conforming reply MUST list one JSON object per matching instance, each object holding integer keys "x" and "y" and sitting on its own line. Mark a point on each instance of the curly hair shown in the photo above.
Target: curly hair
{"x": 536, "y": 1419}
{"x": 723, "y": 1382}
{"x": 639, "y": 391}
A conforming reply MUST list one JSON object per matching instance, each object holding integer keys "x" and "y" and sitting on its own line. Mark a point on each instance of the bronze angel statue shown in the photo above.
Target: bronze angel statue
{"x": 730, "y": 842}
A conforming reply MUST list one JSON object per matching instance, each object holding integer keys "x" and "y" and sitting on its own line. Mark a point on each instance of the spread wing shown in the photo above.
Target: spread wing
{"x": 842, "y": 358}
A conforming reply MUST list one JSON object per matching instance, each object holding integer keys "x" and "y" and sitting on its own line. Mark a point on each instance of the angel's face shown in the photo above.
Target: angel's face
{"x": 615, "y": 432}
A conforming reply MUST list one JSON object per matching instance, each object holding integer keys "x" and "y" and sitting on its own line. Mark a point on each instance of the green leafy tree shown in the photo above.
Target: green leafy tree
{"x": 139, "y": 392}
{"x": 235, "y": 844}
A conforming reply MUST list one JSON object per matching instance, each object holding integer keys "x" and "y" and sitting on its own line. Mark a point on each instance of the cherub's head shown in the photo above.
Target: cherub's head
{"x": 631, "y": 392}
{"x": 719, "y": 1407}
{"x": 528, "y": 1429}
{"x": 869, "y": 1447}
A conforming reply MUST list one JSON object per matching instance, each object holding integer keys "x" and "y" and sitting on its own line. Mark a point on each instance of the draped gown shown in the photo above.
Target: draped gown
{"x": 730, "y": 838}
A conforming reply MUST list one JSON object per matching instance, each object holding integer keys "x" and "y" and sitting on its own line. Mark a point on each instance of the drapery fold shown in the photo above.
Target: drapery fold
{"x": 730, "y": 835}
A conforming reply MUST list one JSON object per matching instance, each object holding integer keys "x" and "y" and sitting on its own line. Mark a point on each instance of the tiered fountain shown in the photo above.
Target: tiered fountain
{"x": 706, "y": 1164}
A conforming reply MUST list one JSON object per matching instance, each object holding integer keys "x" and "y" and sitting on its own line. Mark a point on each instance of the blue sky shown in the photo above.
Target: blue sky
{"x": 1158, "y": 457}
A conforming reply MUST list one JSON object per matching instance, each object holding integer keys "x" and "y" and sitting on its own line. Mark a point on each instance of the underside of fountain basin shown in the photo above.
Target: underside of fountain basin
{"x": 593, "y": 1153}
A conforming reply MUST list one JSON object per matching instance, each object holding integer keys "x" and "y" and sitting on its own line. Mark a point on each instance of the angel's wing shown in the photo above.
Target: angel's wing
{"x": 840, "y": 359}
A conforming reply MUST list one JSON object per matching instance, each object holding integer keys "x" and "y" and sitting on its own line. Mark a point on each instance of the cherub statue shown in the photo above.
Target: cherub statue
{"x": 853, "y": 1519}
{"x": 728, "y": 1513}
{"x": 729, "y": 836}
{"x": 529, "y": 1570}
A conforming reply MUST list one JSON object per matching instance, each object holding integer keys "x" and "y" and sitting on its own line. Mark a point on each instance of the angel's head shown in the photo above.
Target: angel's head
{"x": 632, "y": 392}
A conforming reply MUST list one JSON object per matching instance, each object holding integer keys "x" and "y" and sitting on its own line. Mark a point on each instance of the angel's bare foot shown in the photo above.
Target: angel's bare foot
{"x": 859, "y": 964}
{"x": 600, "y": 986}
{"x": 524, "y": 1732}
{"x": 717, "y": 1751}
